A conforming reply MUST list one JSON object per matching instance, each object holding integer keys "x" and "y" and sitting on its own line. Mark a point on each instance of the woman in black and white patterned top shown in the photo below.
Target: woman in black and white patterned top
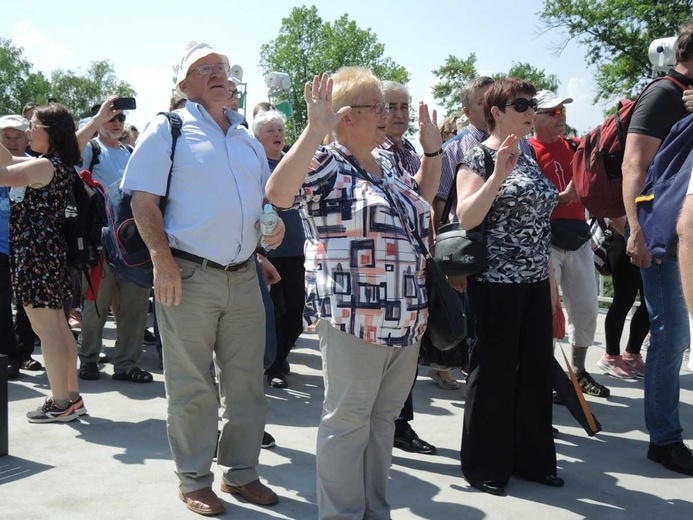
{"x": 507, "y": 421}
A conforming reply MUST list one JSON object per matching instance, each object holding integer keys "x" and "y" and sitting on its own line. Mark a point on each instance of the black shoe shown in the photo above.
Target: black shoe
{"x": 491, "y": 487}
{"x": 267, "y": 441}
{"x": 409, "y": 441}
{"x": 557, "y": 399}
{"x": 277, "y": 380}
{"x": 149, "y": 337}
{"x": 12, "y": 372}
{"x": 675, "y": 457}
{"x": 552, "y": 481}
{"x": 590, "y": 387}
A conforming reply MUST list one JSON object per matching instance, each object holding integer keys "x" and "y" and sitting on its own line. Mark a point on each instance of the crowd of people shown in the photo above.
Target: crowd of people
{"x": 353, "y": 196}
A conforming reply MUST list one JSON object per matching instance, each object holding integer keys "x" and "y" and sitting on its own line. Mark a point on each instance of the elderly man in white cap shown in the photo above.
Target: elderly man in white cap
{"x": 208, "y": 300}
{"x": 571, "y": 252}
{"x": 13, "y": 135}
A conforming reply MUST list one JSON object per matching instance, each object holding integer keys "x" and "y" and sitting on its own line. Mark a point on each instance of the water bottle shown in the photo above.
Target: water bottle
{"x": 268, "y": 221}
{"x": 17, "y": 193}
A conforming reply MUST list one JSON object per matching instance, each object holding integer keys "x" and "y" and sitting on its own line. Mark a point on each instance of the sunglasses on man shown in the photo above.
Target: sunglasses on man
{"x": 554, "y": 112}
{"x": 522, "y": 104}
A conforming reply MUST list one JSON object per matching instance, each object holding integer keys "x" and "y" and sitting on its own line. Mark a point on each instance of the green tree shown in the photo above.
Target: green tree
{"x": 536, "y": 77}
{"x": 307, "y": 45}
{"x": 453, "y": 75}
{"x": 616, "y": 34}
{"x": 18, "y": 84}
{"x": 79, "y": 93}
{"x": 456, "y": 72}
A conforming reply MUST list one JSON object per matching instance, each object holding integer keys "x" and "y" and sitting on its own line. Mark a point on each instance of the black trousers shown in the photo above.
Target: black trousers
{"x": 16, "y": 342}
{"x": 288, "y": 297}
{"x": 627, "y": 283}
{"x": 507, "y": 416}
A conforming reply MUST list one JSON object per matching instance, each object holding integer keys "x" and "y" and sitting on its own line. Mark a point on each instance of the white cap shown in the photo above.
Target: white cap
{"x": 13, "y": 121}
{"x": 192, "y": 52}
{"x": 547, "y": 99}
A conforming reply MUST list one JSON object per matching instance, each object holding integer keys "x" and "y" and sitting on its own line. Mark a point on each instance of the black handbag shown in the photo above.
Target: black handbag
{"x": 569, "y": 234}
{"x": 461, "y": 252}
{"x": 447, "y": 323}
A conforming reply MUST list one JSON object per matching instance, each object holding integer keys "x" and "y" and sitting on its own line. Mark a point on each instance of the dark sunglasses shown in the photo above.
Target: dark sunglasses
{"x": 118, "y": 117}
{"x": 554, "y": 112}
{"x": 522, "y": 104}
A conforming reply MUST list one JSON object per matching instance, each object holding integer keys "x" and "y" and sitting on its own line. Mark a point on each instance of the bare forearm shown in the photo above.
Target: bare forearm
{"x": 428, "y": 177}
{"x": 472, "y": 209}
{"x": 150, "y": 224}
{"x": 685, "y": 231}
{"x": 633, "y": 183}
{"x": 288, "y": 177}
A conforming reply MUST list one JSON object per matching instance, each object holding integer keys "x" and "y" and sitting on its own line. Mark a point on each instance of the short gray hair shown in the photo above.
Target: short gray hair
{"x": 265, "y": 117}
{"x": 472, "y": 86}
{"x": 389, "y": 86}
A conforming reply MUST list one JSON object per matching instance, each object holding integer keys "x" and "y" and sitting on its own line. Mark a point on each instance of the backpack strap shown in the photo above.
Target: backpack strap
{"x": 95, "y": 153}
{"x": 572, "y": 143}
{"x": 176, "y": 123}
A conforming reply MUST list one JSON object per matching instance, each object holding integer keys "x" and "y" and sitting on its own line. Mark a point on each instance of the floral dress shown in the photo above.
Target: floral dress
{"x": 38, "y": 251}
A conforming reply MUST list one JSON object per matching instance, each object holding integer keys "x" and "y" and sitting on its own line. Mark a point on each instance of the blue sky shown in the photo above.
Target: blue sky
{"x": 143, "y": 40}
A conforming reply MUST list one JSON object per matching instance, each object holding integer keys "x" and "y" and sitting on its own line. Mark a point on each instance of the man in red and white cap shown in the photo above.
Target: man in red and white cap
{"x": 571, "y": 251}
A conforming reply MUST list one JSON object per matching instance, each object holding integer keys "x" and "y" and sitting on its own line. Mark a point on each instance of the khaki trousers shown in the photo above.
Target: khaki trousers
{"x": 221, "y": 317}
{"x": 133, "y": 305}
{"x": 365, "y": 388}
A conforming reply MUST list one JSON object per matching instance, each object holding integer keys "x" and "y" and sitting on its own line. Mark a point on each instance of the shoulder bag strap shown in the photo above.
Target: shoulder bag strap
{"x": 176, "y": 124}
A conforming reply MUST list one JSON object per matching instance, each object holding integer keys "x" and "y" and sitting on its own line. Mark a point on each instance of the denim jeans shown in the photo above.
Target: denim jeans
{"x": 670, "y": 337}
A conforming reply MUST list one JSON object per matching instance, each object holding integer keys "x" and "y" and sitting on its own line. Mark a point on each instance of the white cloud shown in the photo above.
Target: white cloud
{"x": 153, "y": 87}
{"x": 43, "y": 52}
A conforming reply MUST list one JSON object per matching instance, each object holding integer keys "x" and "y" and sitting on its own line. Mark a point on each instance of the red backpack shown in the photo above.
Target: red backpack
{"x": 598, "y": 159}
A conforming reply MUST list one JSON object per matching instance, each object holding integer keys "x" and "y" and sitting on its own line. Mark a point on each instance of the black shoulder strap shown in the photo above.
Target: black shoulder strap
{"x": 572, "y": 143}
{"x": 95, "y": 153}
{"x": 489, "y": 165}
{"x": 176, "y": 123}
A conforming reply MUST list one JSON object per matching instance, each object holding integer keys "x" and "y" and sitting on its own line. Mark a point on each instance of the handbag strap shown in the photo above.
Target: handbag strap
{"x": 489, "y": 165}
{"x": 411, "y": 231}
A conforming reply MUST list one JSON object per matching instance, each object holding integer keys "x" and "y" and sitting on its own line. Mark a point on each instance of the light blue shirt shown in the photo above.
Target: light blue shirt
{"x": 217, "y": 183}
{"x": 111, "y": 166}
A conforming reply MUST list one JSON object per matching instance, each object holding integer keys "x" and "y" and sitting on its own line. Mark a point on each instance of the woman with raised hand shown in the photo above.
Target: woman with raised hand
{"x": 38, "y": 251}
{"x": 507, "y": 416}
{"x": 365, "y": 278}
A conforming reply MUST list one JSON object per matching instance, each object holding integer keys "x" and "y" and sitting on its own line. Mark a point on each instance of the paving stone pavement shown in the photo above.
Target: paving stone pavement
{"x": 115, "y": 462}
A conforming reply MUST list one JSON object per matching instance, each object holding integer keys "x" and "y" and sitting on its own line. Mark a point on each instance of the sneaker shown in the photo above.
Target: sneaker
{"x": 78, "y": 406}
{"x": 591, "y": 387}
{"x": 636, "y": 364}
{"x": 51, "y": 412}
{"x": 557, "y": 399}
{"x": 616, "y": 366}
{"x": 267, "y": 441}
{"x": 675, "y": 456}
{"x": 149, "y": 337}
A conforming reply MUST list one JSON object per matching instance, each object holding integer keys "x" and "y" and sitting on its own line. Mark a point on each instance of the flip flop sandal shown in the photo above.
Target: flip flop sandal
{"x": 89, "y": 372}
{"x": 134, "y": 375}
{"x": 30, "y": 364}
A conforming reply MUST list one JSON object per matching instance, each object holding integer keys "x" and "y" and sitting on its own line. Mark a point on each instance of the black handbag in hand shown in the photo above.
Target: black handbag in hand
{"x": 459, "y": 252}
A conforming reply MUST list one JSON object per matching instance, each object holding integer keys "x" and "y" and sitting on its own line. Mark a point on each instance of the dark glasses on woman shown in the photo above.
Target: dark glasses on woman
{"x": 522, "y": 104}
{"x": 554, "y": 112}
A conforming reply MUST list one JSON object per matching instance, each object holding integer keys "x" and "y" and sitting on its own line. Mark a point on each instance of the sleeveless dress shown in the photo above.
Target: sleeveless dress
{"x": 38, "y": 251}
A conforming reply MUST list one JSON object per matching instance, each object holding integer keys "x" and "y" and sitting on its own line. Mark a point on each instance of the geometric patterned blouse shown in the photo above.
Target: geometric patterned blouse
{"x": 363, "y": 271}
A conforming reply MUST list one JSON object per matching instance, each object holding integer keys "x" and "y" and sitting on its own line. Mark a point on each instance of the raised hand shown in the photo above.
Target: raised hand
{"x": 318, "y": 96}
{"x": 429, "y": 135}
{"x": 507, "y": 156}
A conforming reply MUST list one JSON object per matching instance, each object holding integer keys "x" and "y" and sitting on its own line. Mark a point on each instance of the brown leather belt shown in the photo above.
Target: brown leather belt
{"x": 208, "y": 263}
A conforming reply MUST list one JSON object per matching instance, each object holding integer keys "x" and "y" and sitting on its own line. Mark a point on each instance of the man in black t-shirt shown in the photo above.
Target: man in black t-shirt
{"x": 657, "y": 110}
